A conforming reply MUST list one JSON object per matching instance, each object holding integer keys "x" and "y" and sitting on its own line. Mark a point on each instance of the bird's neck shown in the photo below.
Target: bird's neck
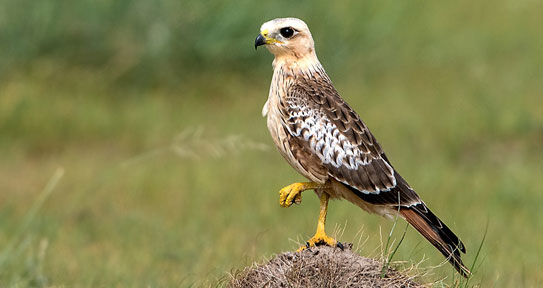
{"x": 304, "y": 64}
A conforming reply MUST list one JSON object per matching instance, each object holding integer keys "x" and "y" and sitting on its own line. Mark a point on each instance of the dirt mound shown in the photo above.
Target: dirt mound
{"x": 320, "y": 267}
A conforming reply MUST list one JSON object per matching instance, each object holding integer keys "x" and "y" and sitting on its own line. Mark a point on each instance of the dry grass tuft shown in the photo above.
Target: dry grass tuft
{"x": 321, "y": 266}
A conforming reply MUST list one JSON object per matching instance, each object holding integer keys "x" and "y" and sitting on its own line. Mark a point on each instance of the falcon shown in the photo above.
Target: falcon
{"x": 325, "y": 140}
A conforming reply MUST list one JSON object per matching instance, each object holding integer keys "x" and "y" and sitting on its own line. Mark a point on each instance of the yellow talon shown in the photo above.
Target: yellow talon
{"x": 320, "y": 237}
{"x": 293, "y": 192}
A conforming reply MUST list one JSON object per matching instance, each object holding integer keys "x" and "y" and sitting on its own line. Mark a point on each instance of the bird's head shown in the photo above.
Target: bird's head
{"x": 286, "y": 37}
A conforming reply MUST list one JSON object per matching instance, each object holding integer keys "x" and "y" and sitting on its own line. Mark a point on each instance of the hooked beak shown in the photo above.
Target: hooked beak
{"x": 260, "y": 40}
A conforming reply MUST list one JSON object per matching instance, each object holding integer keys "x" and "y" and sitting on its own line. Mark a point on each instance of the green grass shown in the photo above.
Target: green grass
{"x": 451, "y": 90}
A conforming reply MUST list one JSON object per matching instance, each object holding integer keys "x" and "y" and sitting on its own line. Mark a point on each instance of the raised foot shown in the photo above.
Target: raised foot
{"x": 292, "y": 194}
{"x": 321, "y": 239}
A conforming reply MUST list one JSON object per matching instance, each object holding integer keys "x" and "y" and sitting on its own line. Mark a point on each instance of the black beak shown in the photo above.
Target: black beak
{"x": 259, "y": 41}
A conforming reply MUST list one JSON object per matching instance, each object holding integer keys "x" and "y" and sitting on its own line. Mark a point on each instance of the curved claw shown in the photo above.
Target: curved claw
{"x": 293, "y": 193}
{"x": 321, "y": 239}
{"x": 288, "y": 194}
{"x": 298, "y": 199}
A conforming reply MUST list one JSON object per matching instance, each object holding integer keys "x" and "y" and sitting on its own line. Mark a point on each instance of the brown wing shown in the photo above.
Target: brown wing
{"x": 315, "y": 113}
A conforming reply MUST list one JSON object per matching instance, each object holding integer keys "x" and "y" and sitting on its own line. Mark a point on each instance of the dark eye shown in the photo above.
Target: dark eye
{"x": 286, "y": 32}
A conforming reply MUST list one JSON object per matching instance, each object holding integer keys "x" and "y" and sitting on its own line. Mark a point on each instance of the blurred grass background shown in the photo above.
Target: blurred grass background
{"x": 125, "y": 97}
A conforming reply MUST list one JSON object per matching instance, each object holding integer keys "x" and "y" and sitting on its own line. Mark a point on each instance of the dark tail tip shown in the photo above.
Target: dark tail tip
{"x": 437, "y": 233}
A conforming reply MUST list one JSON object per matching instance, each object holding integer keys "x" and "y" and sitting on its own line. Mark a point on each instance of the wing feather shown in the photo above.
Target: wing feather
{"x": 331, "y": 130}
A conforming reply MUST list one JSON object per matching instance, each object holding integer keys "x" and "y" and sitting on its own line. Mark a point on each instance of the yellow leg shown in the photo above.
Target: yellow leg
{"x": 320, "y": 236}
{"x": 293, "y": 192}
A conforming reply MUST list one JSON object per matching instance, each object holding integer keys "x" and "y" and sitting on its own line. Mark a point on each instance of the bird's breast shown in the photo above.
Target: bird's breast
{"x": 290, "y": 147}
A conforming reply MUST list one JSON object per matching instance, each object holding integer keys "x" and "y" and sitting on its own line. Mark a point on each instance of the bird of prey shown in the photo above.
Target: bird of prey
{"x": 325, "y": 140}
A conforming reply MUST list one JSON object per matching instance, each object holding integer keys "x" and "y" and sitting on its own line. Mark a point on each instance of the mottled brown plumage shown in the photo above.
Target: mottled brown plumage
{"x": 325, "y": 140}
